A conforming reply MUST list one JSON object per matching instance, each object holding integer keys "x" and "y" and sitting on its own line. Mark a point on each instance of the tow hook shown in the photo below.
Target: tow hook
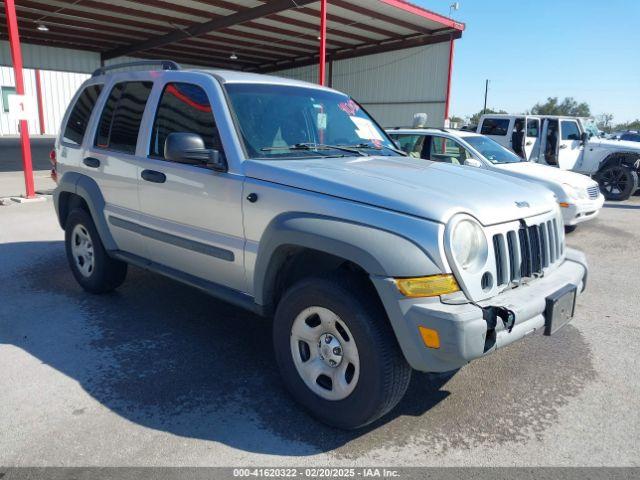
{"x": 507, "y": 316}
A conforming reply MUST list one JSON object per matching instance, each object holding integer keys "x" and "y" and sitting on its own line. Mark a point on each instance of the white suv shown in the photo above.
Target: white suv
{"x": 569, "y": 143}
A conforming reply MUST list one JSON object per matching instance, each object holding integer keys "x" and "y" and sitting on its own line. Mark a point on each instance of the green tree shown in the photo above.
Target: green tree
{"x": 604, "y": 122}
{"x": 635, "y": 125}
{"x": 569, "y": 107}
{"x": 475, "y": 118}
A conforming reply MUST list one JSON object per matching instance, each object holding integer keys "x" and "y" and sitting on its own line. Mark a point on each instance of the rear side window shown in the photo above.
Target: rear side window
{"x": 121, "y": 117}
{"x": 80, "y": 114}
{"x": 533, "y": 127}
{"x": 570, "y": 131}
{"x": 183, "y": 107}
{"x": 495, "y": 126}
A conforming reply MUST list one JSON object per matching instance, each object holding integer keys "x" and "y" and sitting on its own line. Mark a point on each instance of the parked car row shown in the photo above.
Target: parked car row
{"x": 287, "y": 199}
{"x": 568, "y": 143}
{"x": 578, "y": 195}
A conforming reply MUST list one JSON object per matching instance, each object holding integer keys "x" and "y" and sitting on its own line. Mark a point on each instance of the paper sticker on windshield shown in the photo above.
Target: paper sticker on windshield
{"x": 366, "y": 129}
{"x": 322, "y": 121}
{"x": 350, "y": 107}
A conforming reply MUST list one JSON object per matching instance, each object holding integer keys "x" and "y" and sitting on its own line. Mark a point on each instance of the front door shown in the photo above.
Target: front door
{"x": 570, "y": 146}
{"x": 191, "y": 216}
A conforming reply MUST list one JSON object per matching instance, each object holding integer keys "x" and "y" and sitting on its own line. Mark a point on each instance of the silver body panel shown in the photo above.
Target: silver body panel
{"x": 200, "y": 223}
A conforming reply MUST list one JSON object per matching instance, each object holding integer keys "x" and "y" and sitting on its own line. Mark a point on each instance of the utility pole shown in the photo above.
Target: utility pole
{"x": 486, "y": 92}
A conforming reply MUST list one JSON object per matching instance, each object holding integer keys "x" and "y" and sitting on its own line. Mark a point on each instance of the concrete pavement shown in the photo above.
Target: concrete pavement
{"x": 161, "y": 374}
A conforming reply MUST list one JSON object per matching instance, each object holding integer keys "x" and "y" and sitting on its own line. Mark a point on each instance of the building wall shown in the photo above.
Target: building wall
{"x": 57, "y": 90}
{"x": 392, "y": 86}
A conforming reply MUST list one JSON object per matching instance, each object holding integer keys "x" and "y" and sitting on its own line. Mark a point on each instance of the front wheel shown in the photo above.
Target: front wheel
{"x": 337, "y": 353}
{"x": 618, "y": 182}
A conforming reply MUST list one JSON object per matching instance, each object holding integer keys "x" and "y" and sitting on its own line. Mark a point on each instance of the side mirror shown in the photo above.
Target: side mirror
{"x": 189, "y": 148}
{"x": 472, "y": 162}
{"x": 584, "y": 138}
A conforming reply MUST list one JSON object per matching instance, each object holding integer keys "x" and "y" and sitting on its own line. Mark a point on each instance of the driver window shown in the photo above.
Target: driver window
{"x": 183, "y": 107}
{"x": 570, "y": 130}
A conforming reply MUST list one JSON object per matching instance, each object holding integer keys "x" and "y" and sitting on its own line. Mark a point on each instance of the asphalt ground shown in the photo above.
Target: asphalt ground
{"x": 159, "y": 374}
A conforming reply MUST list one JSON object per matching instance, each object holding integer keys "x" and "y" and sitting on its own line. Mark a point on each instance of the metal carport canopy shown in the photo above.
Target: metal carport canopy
{"x": 250, "y": 35}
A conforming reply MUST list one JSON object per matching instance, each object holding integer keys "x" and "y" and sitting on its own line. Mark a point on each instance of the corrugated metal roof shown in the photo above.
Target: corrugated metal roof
{"x": 264, "y": 35}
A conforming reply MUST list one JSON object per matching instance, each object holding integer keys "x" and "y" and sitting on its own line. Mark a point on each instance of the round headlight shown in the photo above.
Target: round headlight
{"x": 469, "y": 245}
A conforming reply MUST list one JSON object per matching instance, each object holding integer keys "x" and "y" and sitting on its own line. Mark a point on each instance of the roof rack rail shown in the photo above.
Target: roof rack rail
{"x": 166, "y": 65}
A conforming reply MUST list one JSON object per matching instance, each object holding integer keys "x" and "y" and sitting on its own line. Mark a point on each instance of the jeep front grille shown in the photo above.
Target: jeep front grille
{"x": 527, "y": 251}
{"x": 593, "y": 192}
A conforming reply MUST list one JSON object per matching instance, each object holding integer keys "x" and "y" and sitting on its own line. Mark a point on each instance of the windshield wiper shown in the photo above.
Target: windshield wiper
{"x": 373, "y": 147}
{"x": 316, "y": 146}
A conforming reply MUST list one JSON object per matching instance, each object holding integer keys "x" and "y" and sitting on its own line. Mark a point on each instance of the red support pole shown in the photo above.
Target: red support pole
{"x": 40, "y": 103}
{"x": 323, "y": 41}
{"x": 448, "y": 98}
{"x": 16, "y": 56}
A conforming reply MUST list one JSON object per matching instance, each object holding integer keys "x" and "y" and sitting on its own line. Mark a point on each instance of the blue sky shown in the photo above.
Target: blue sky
{"x": 534, "y": 49}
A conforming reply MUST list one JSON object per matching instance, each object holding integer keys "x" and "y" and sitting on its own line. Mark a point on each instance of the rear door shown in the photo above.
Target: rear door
{"x": 570, "y": 145}
{"x": 112, "y": 161}
{"x": 498, "y": 129}
{"x": 191, "y": 216}
{"x": 532, "y": 140}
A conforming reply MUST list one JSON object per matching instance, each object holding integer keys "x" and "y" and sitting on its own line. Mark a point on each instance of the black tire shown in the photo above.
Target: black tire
{"x": 570, "y": 228}
{"x": 384, "y": 374}
{"x": 106, "y": 273}
{"x": 618, "y": 182}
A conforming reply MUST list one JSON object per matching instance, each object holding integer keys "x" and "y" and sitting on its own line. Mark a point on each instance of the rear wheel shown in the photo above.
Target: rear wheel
{"x": 90, "y": 264}
{"x": 618, "y": 182}
{"x": 337, "y": 353}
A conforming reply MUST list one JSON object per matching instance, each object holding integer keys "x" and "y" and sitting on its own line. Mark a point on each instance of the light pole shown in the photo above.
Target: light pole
{"x": 486, "y": 92}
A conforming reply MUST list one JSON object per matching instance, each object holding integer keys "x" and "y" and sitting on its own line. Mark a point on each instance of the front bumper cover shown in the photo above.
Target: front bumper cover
{"x": 464, "y": 332}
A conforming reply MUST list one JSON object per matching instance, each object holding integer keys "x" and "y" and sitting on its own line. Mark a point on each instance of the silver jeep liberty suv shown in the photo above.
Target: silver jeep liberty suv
{"x": 287, "y": 199}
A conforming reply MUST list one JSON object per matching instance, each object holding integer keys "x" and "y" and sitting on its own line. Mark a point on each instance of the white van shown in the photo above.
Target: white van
{"x": 569, "y": 143}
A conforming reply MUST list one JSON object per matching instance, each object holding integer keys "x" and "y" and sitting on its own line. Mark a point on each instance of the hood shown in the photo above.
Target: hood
{"x": 615, "y": 144}
{"x": 551, "y": 177}
{"x": 431, "y": 190}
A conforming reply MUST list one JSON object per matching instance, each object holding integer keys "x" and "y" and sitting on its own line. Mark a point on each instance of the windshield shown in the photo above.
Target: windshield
{"x": 281, "y": 121}
{"x": 493, "y": 151}
{"x": 591, "y": 128}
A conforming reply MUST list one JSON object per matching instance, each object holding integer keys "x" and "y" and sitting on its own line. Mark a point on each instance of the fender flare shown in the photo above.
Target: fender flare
{"x": 379, "y": 252}
{"x": 86, "y": 188}
{"x": 632, "y": 159}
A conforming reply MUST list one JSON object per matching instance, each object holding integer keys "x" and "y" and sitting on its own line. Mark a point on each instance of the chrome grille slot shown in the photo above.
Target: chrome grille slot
{"x": 526, "y": 251}
{"x": 514, "y": 256}
{"x": 502, "y": 260}
{"x": 593, "y": 192}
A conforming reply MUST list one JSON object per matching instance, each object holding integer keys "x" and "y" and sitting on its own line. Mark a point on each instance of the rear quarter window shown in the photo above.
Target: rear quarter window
{"x": 78, "y": 120}
{"x": 495, "y": 126}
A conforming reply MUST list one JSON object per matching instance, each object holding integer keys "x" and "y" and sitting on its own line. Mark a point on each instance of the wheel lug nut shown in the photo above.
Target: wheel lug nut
{"x": 328, "y": 339}
{"x": 337, "y": 351}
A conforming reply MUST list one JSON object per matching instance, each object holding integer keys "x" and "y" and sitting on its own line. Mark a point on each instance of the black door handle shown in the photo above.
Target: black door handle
{"x": 153, "y": 176}
{"x": 91, "y": 162}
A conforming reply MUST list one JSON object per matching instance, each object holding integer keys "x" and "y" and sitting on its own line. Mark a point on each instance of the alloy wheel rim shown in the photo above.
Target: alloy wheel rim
{"x": 325, "y": 353}
{"x": 614, "y": 179}
{"x": 82, "y": 250}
